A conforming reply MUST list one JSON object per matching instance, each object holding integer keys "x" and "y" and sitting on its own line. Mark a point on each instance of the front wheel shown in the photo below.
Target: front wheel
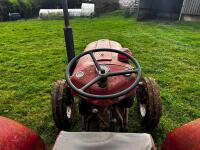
{"x": 149, "y": 101}
{"x": 63, "y": 106}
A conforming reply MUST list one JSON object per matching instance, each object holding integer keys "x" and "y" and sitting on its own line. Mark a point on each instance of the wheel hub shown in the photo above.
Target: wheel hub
{"x": 143, "y": 110}
{"x": 68, "y": 111}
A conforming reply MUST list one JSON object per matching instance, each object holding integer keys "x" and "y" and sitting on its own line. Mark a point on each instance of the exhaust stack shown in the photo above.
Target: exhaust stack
{"x": 69, "y": 41}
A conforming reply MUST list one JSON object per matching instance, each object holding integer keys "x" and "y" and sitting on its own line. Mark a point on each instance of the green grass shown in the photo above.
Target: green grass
{"x": 33, "y": 57}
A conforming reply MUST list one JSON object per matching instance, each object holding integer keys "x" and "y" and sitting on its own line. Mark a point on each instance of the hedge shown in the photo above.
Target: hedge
{"x": 25, "y": 9}
{"x": 30, "y": 8}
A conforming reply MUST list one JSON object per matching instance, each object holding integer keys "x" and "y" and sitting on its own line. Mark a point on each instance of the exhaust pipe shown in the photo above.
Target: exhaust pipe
{"x": 69, "y": 41}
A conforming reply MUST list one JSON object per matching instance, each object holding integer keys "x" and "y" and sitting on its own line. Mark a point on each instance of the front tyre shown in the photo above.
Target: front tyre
{"x": 63, "y": 106}
{"x": 149, "y": 101}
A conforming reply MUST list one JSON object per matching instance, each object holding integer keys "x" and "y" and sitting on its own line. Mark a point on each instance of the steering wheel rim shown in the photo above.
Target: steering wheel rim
{"x": 110, "y": 96}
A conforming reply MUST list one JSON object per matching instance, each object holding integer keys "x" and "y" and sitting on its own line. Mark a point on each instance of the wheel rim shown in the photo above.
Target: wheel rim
{"x": 68, "y": 111}
{"x": 143, "y": 110}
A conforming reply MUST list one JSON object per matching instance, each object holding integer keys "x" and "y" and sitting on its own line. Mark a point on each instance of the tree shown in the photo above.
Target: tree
{"x": 4, "y": 9}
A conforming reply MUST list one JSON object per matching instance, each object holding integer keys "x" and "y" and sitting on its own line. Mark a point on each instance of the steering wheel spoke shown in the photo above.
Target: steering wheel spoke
{"x": 103, "y": 74}
{"x": 90, "y": 83}
{"x": 122, "y": 72}
{"x": 95, "y": 61}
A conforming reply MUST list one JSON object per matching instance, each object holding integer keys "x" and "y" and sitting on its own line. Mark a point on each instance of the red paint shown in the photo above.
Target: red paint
{"x": 115, "y": 84}
{"x": 122, "y": 57}
{"x": 14, "y": 136}
{"x": 186, "y": 137}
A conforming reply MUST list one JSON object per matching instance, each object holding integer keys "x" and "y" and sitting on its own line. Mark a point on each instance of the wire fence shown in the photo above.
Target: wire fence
{"x": 191, "y": 7}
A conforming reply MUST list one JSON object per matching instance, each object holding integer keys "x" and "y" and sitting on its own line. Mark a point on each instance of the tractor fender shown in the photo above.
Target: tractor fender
{"x": 186, "y": 137}
{"x": 15, "y": 136}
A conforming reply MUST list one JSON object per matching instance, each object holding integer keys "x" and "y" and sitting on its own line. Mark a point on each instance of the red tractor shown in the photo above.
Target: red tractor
{"x": 103, "y": 81}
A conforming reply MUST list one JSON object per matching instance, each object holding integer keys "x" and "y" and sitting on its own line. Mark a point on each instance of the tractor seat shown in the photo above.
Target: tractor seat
{"x": 103, "y": 141}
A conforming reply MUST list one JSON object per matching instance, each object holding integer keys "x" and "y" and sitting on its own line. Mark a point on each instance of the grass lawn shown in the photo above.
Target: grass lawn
{"x": 33, "y": 57}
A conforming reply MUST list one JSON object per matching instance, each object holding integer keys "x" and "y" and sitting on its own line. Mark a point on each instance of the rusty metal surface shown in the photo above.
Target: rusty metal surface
{"x": 85, "y": 70}
{"x": 15, "y": 136}
{"x": 109, "y": 57}
{"x": 186, "y": 137}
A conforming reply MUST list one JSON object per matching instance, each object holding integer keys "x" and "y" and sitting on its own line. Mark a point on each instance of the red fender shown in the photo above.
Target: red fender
{"x": 186, "y": 137}
{"x": 15, "y": 136}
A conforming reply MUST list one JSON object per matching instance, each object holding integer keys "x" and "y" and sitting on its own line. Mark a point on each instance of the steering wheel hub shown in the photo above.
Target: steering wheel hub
{"x": 104, "y": 69}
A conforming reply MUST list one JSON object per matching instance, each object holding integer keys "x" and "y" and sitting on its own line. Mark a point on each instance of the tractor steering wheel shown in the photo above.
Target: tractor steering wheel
{"x": 103, "y": 74}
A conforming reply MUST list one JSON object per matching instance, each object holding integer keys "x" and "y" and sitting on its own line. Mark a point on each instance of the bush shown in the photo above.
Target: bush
{"x": 4, "y": 9}
{"x": 26, "y": 8}
{"x": 102, "y": 6}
